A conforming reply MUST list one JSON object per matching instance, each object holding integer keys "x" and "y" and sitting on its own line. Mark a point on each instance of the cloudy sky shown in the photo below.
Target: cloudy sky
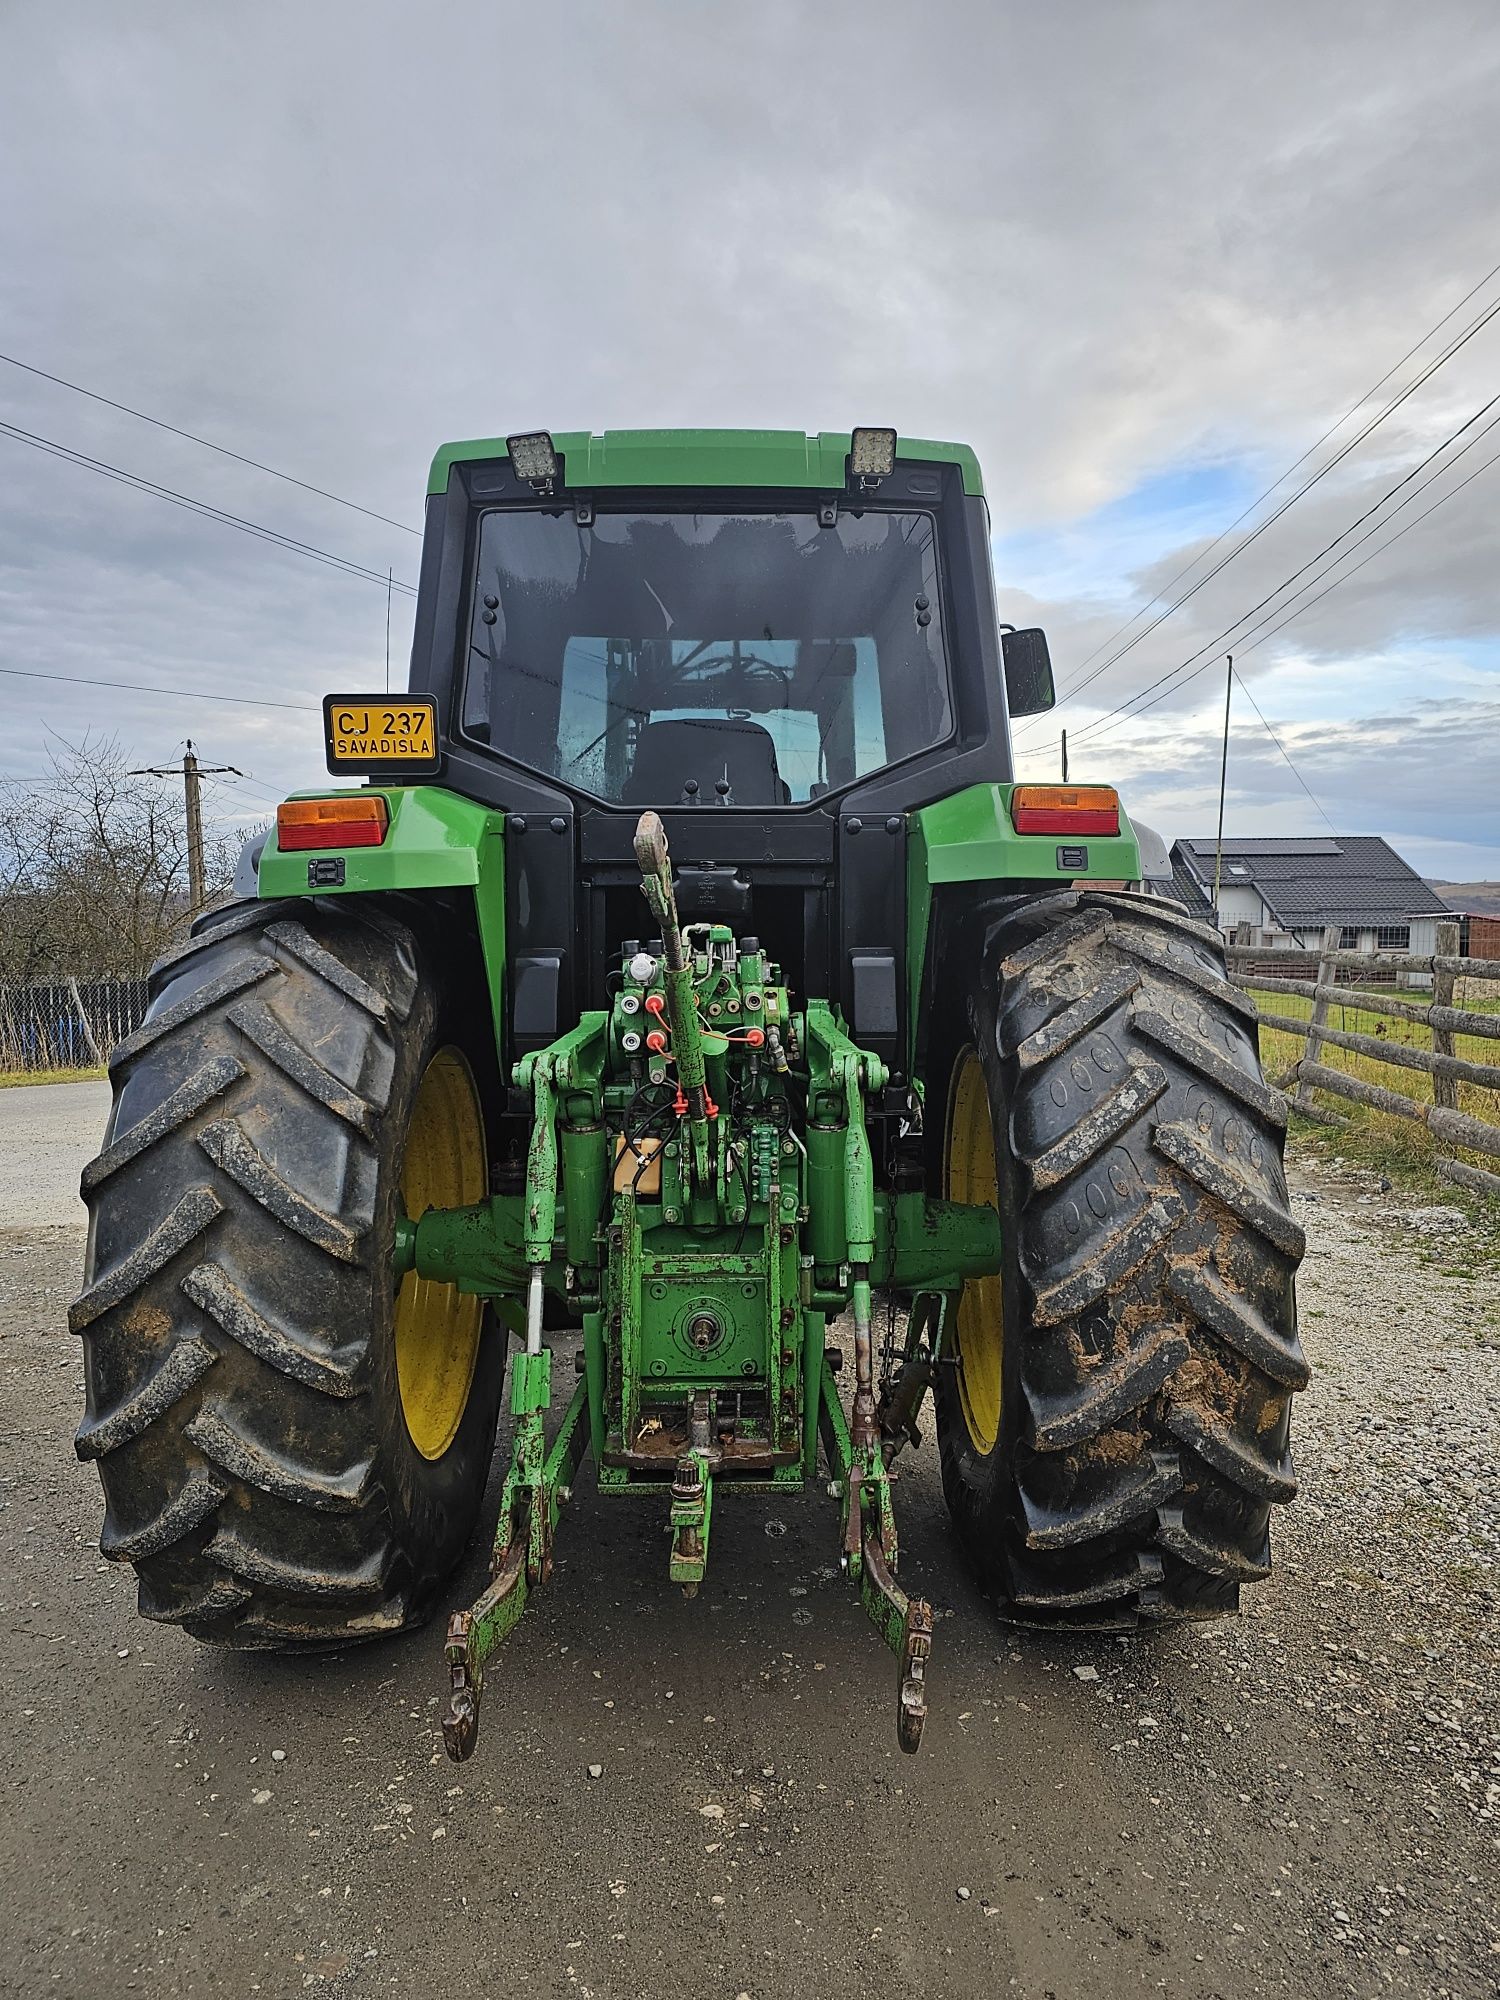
{"x": 1141, "y": 255}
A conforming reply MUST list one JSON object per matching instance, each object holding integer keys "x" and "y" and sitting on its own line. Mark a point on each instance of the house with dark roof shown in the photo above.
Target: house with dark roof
{"x": 1281, "y": 892}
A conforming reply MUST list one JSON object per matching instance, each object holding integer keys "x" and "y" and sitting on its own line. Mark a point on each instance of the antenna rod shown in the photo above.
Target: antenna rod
{"x": 1223, "y": 777}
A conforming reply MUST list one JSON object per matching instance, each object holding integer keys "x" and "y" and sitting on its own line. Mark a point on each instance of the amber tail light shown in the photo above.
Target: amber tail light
{"x": 1079, "y": 809}
{"x": 353, "y": 820}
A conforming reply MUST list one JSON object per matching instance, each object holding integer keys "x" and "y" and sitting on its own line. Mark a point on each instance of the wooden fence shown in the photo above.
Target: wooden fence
{"x": 1452, "y": 1128}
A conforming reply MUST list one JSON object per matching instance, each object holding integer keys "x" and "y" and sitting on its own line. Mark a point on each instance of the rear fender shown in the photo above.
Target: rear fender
{"x": 435, "y": 840}
{"x": 966, "y": 841}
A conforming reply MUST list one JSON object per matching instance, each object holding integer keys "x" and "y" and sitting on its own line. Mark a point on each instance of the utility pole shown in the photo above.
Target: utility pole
{"x": 1223, "y": 778}
{"x": 191, "y": 772}
{"x": 1065, "y": 755}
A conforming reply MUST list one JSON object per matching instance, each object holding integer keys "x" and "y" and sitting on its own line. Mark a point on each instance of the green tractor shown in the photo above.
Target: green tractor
{"x": 688, "y": 973}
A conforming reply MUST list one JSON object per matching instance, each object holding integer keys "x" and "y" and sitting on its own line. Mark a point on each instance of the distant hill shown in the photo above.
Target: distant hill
{"x": 1483, "y": 897}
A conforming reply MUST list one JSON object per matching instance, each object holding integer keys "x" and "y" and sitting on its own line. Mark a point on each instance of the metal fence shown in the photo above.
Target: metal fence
{"x": 1444, "y": 1087}
{"x": 67, "y": 1023}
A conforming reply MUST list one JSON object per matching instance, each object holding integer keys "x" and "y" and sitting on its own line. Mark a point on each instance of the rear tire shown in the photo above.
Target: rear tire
{"x": 1115, "y": 1453}
{"x": 245, "y": 1405}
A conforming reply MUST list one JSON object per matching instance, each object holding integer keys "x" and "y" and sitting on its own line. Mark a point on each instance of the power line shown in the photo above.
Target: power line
{"x": 1223, "y": 789}
{"x": 1284, "y": 751}
{"x": 1461, "y": 340}
{"x": 207, "y": 443}
{"x": 247, "y": 795}
{"x": 224, "y": 808}
{"x": 254, "y": 795}
{"x": 253, "y": 779}
{"x": 141, "y": 687}
{"x": 1441, "y": 501}
{"x": 1281, "y": 479}
{"x": 1179, "y": 674}
{"x": 273, "y": 535}
{"x": 1328, "y": 587}
{"x": 1180, "y": 677}
{"x": 1236, "y": 678}
{"x": 1378, "y": 528}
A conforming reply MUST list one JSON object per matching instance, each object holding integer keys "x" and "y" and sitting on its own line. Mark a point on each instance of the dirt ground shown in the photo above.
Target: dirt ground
{"x": 1305, "y": 1801}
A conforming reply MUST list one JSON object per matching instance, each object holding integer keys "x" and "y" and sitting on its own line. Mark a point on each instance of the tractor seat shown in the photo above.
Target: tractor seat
{"x": 710, "y": 749}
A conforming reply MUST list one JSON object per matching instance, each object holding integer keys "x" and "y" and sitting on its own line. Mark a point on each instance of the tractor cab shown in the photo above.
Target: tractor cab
{"x": 720, "y": 627}
{"x": 709, "y": 655}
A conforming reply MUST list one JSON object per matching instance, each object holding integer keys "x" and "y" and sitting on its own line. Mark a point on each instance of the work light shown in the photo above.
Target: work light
{"x": 534, "y": 459}
{"x": 872, "y": 455}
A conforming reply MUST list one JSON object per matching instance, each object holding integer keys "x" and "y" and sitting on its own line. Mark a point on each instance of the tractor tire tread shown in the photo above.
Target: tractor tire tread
{"x": 180, "y": 1367}
{"x": 212, "y": 928}
{"x": 266, "y": 1496}
{"x": 201, "y": 1088}
{"x": 202, "y": 1000}
{"x": 198, "y": 1498}
{"x": 229, "y": 1146}
{"x": 1158, "y": 1352}
{"x": 299, "y": 941}
{"x": 334, "y": 1371}
{"x": 256, "y": 1464}
{"x": 259, "y": 1025}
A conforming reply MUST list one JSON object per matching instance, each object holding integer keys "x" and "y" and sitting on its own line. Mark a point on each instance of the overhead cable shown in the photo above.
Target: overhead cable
{"x": 1453, "y": 347}
{"x": 1357, "y": 405}
{"x": 207, "y": 443}
{"x": 273, "y": 535}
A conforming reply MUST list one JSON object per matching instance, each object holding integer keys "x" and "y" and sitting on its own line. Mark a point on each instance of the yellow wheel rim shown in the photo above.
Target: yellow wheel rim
{"x": 971, "y": 1176}
{"x": 437, "y": 1325}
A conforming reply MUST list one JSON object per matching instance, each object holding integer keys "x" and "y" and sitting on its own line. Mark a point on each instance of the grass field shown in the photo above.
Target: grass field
{"x": 12, "y": 1079}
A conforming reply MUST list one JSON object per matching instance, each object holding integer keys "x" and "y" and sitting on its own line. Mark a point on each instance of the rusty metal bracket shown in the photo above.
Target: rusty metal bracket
{"x": 870, "y": 1555}
{"x": 523, "y": 1557}
{"x": 472, "y": 1636}
{"x": 907, "y": 1623}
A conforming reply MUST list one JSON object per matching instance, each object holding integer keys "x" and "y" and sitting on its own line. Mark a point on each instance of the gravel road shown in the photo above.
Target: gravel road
{"x": 47, "y": 1134}
{"x": 1305, "y": 1801}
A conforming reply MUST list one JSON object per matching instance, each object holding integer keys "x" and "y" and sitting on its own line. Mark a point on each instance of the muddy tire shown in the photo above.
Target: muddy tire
{"x": 245, "y": 1408}
{"x": 1114, "y": 1452}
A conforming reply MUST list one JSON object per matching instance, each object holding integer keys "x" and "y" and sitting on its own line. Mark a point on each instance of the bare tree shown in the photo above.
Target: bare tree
{"x": 93, "y": 868}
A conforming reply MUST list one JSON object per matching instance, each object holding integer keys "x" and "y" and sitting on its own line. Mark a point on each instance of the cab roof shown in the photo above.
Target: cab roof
{"x": 707, "y": 458}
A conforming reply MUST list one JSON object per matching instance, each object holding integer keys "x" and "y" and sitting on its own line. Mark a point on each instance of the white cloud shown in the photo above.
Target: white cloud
{"x": 1095, "y": 241}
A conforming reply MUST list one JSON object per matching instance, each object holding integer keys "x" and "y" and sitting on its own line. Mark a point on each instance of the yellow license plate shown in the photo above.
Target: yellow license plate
{"x": 364, "y": 732}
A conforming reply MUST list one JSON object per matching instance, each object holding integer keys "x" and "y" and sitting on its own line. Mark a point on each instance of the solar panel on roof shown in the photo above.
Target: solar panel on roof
{"x": 1269, "y": 847}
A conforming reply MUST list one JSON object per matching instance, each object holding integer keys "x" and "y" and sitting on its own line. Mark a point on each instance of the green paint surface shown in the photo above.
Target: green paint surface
{"x": 968, "y": 838}
{"x": 436, "y": 840}
{"x": 926, "y": 1245}
{"x": 707, "y": 458}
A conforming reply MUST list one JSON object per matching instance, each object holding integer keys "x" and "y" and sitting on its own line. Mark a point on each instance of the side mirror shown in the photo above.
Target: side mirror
{"x": 1028, "y": 671}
